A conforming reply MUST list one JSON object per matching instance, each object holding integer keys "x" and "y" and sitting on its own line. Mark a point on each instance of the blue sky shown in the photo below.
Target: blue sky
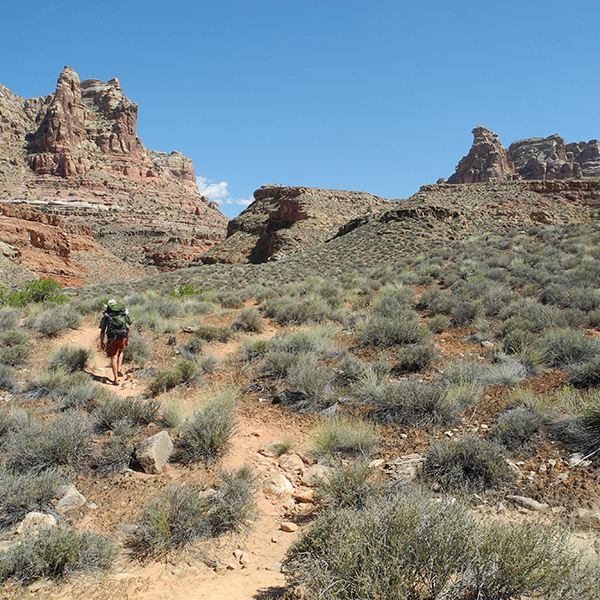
{"x": 372, "y": 95}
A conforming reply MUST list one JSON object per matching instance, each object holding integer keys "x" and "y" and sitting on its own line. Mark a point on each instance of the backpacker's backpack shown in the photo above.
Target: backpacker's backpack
{"x": 118, "y": 324}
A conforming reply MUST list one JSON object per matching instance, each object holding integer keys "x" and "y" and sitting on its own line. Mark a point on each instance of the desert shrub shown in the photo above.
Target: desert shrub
{"x": 114, "y": 456}
{"x": 13, "y": 355}
{"x": 586, "y": 374}
{"x": 350, "y": 485}
{"x": 21, "y": 493}
{"x": 291, "y": 311}
{"x": 505, "y": 372}
{"x": 192, "y": 348}
{"x": 467, "y": 464}
{"x": 137, "y": 351}
{"x": 516, "y": 426}
{"x": 410, "y": 402}
{"x": 70, "y": 358}
{"x": 529, "y": 315}
{"x": 206, "y": 435}
{"x": 57, "y": 552}
{"x": 110, "y": 410}
{"x": 402, "y": 328}
{"x": 311, "y": 379}
{"x": 56, "y": 321}
{"x": 415, "y": 357}
{"x": 526, "y": 560}
{"x": 63, "y": 440}
{"x": 35, "y": 290}
{"x": 277, "y": 362}
{"x": 209, "y": 333}
{"x": 404, "y": 547}
{"x": 8, "y": 382}
{"x": 525, "y": 346}
{"x": 249, "y": 320}
{"x": 9, "y": 318}
{"x": 184, "y": 372}
{"x": 463, "y": 395}
{"x": 411, "y": 547}
{"x": 230, "y": 300}
{"x": 182, "y": 515}
{"x": 568, "y": 347}
{"x": 343, "y": 436}
{"x": 13, "y": 337}
{"x": 438, "y": 323}
{"x": 464, "y": 371}
{"x": 69, "y": 389}
{"x": 232, "y": 506}
{"x": 253, "y": 348}
{"x": 316, "y": 340}
{"x": 465, "y": 311}
{"x": 350, "y": 369}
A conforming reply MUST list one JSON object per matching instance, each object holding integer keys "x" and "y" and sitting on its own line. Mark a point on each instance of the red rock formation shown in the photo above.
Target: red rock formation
{"x": 486, "y": 161}
{"x": 532, "y": 159}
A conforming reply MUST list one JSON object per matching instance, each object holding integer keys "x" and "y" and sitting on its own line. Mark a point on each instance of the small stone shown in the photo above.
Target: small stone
{"x": 292, "y": 463}
{"x": 231, "y": 567}
{"x": 70, "y": 499}
{"x": 551, "y": 462}
{"x": 273, "y": 540}
{"x": 484, "y": 426}
{"x": 487, "y": 344}
{"x": 245, "y": 559}
{"x": 256, "y": 433}
{"x": 374, "y": 464}
{"x": 404, "y": 436}
{"x": 237, "y": 553}
{"x": 304, "y": 497}
{"x": 528, "y": 503}
{"x": 288, "y": 527}
{"x": 34, "y": 521}
{"x": 92, "y": 505}
{"x": 448, "y": 434}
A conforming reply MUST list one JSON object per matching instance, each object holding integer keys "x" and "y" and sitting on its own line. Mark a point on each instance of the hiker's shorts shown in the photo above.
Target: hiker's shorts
{"x": 115, "y": 347}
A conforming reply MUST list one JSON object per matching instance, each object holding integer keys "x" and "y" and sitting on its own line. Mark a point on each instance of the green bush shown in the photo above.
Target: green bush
{"x": 13, "y": 337}
{"x": 57, "y": 552}
{"x": 310, "y": 378}
{"x": 343, "y": 436}
{"x": 517, "y": 426}
{"x": 70, "y": 358}
{"x": 506, "y": 372}
{"x": 439, "y": 323}
{"x": 8, "y": 382}
{"x": 402, "y": 328}
{"x": 316, "y": 340}
{"x": 137, "y": 351}
{"x": 586, "y": 374}
{"x": 209, "y": 333}
{"x": 350, "y": 485}
{"x": 110, "y": 411}
{"x": 410, "y": 402}
{"x": 21, "y": 493}
{"x": 411, "y": 547}
{"x": 206, "y": 436}
{"x": 182, "y": 515}
{"x": 9, "y": 318}
{"x": 185, "y": 372}
{"x": 416, "y": 357}
{"x": 114, "y": 456}
{"x": 467, "y": 464}
{"x": 63, "y": 440}
{"x": 253, "y": 348}
{"x": 565, "y": 347}
{"x": 57, "y": 320}
{"x": 69, "y": 389}
{"x": 13, "y": 355}
{"x": 249, "y": 320}
{"x": 35, "y": 290}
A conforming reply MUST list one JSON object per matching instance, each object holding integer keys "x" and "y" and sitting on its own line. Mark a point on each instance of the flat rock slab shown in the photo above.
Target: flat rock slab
{"x": 528, "y": 503}
{"x": 70, "y": 499}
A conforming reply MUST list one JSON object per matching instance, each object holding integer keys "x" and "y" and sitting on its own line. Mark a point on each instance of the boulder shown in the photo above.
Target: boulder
{"x": 278, "y": 487}
{"x": 292, "y": 463}
{"x": 34, "y": 521}
{"x": 314, "y": 473}
{"x": 154, "y": 452}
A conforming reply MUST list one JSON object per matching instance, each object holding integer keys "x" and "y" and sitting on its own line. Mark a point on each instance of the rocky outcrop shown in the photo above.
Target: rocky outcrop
{"x": 486, "y": 161}
{"x": 77, "y": 152}
{"x": 285, "y": 220}
{"x": 531, "y": 159}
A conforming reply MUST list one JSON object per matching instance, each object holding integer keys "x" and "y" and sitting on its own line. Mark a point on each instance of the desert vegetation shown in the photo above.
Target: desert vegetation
{"x": 480, "y": 360}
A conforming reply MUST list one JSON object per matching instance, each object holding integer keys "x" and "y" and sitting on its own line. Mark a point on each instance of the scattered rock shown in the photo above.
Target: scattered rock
{"x": 70, "y": 499}
{"x": 288, "y": 527}
{"x": 405, "y": 467}
{"x": 292, "y": 463}
{"x": 528, "y": 503}
{"x": 34, "y": 521}
{"x": 314, "y": 473}
{"x": 305, "y": 496}
{"x": 154, "y": 452}
{"x": 576, "y": 460}
{"x": 278, "y": 487}
{"x": 270, "y": 450}
{"x": 587, "y": 519}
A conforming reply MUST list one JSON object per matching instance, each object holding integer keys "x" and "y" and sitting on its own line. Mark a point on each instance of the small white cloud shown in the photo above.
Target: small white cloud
{"x": 218, "y": 192}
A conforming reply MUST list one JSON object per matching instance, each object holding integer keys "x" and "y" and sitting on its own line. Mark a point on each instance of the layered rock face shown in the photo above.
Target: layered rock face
{"x": 76, "y": 153}
{"x": 532, "y": 159}
{"x": 285, "y": 220}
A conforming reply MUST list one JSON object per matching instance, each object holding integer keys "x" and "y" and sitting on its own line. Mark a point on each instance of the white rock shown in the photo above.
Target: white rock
{"x": 70, "y": 499}
{"x": 34, "y": 521}
{"x": 278, "y": 487}
{"x": 154, "y": 452}
{"x": 292, "y": 463}
{"x": 528, "y": 503}
{"x": 314, "y": 473}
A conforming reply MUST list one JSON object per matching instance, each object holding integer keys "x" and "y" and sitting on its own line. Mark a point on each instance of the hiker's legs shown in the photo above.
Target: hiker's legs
{"x": 120, "y": 362}
{"x": 115, "y": 367}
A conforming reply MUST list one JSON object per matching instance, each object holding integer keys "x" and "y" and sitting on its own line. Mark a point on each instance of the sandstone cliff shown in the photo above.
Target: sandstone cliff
{"x": 535, "y": 158}
{"x": 75, "y": 153}
{"x": 285, "y": 220}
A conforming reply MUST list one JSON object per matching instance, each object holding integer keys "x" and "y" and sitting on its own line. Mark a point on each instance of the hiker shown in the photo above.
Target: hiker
{"x": 114, "y": 330}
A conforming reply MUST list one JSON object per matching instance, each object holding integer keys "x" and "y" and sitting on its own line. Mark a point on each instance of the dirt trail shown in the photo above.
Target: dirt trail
{"x": 189, "y": 578}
